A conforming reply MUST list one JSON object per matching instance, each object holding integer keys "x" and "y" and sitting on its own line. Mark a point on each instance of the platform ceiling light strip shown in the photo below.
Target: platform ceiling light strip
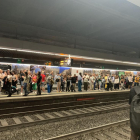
{"x": 113, "y": 61}
{"x": 7, "y": 49}
{"x": 65, "y": 55}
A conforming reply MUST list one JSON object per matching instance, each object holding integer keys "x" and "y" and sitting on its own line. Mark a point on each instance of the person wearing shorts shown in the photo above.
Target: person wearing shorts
{"x": 43, "y": 81}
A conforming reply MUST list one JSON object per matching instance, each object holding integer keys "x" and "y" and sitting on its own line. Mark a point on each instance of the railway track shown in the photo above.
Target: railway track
{"x": 20, "y": 111}
{"x": 117, "y": 131}
{"x": 34, "y": 119}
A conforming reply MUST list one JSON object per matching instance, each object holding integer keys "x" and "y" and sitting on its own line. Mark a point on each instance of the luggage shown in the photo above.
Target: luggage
{"x": 135, "y": 112}
{"x": 72, "y": 88}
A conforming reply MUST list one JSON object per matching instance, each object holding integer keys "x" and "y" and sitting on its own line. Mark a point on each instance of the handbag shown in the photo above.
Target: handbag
{"x": 57, "y": 80}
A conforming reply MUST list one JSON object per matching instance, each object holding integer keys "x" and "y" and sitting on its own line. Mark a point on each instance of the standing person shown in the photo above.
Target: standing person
{"x": 68, "y": 83}
{"x": 94, "y": 81}
{"x": 9, "y": 83}
{"x": 79, "y": 82}
{"x": 103, "y": 82}
{"x": 34, "y": 83}
{"x": 106, "y": 82}
{"x": 1, "y": 79}
{"x": 49, "y": 83}
{"x": 99, "y": 82}
{"x": 116, "y": 82}
{"x": 14, "y": 79}
{"x": 110, "y": 82}
{"x": 52, "y": 81}
{"x": 26, "y": 83}
{"x": 22, "y": 75}
{"x": 62, "y": 82}
{"x": 43, "y": 81}
{"x": 30, "y": 89}
{"x": 136, "y": 81}
{"x": 113, "y": 79}
{"x": 86, "y": 78}
{"x": 73, "y": 81}
{"x": 58, "y": 81}
{"x": 130, "y": 79}
{"x": 91, "y": 82}
{"x": 39, "y": 81}
{"x": 126, "y": 82}
{"x": 122, "y": 82}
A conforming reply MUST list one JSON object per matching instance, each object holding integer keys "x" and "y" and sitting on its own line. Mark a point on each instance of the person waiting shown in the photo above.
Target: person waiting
{"x": 39, "y": 81}
{"x": 136, "y": 81}
{"x": 68, "y": 83}
{"x": 73, "y": 81}
{"x": 58, "y": 81}
{"x": 86, "y": 79}
{"x": 26, "y": 83}
{"x": 116, "y": 82}
{"x": 91, "y": 83}
{"x": 79, "y": 82}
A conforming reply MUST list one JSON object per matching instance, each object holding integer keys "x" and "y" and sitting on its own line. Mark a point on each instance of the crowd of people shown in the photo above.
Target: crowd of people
{"x": 32, "y": 82}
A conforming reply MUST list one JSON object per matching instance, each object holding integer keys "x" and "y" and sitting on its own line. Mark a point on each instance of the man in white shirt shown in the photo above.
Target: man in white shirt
{"x": 91, "y": 82}
{"x": 86, "y": 79}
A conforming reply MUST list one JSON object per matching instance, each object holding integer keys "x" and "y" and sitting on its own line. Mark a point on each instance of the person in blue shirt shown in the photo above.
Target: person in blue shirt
{"x": 79, "y": 82}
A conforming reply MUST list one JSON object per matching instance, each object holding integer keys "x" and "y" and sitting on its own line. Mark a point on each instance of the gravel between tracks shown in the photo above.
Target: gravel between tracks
{"x": 41, "y": 132}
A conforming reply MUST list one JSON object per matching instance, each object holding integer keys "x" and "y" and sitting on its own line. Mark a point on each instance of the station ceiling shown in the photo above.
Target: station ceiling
{"x": 115, "y": 21}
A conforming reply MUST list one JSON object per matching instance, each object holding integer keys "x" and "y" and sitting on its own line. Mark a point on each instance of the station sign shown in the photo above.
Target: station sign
{"x": 48, "y": 63}
{"x": 66, "y": 62}
{"x": 18, "y": 60}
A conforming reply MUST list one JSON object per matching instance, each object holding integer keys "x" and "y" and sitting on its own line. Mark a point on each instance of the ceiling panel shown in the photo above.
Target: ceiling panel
{"x": 115, "y": 21}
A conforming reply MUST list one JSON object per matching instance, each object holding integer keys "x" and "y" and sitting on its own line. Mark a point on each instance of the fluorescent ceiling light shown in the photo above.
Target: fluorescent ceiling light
{"x": 113, "y": 61}
{"x": 6, "y": 49}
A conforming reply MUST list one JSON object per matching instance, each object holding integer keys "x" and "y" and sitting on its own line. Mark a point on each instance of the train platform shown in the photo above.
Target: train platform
{"x": 58, "y": 95}
{"x": 59, "y": 101}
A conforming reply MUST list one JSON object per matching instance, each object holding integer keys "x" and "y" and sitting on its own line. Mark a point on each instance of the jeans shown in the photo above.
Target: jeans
{"x": 136, "y": 84}
{"x": 25, "y": 88}
{"x": 49, "y": 88}
{"x": 79, "y": 85}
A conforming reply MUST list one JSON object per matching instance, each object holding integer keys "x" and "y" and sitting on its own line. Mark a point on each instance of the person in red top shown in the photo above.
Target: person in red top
{"x": 43, "y": 81}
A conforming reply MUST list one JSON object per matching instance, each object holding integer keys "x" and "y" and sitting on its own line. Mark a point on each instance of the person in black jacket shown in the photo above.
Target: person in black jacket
{"x": 73, "y": 81}
{"x": 132, "y": 94}
{"x": 39, "y": 80}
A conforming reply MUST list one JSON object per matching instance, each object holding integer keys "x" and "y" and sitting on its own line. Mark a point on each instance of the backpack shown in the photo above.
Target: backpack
{"x": 135, "y": 112}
